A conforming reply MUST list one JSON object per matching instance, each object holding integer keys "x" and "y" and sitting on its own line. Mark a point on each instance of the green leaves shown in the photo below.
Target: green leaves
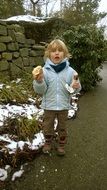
{"x": 83, "y": 12}
{"x": 87, "y": 46}
{"x": 11, "y": 8}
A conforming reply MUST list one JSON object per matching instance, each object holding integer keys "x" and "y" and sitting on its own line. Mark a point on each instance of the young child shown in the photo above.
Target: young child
{"x": 50, "y": 81}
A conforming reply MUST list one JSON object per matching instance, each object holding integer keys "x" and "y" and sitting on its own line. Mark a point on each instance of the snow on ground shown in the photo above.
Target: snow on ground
{"x": 38, "y": 141}
{"x": 29, "y": 111}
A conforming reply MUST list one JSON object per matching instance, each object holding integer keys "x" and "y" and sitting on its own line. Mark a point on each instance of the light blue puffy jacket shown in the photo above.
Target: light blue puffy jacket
{"x": 55, "y": 94}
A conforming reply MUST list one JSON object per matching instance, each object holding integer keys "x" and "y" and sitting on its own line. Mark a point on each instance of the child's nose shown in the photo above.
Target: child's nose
{"x": 57, "y": 51}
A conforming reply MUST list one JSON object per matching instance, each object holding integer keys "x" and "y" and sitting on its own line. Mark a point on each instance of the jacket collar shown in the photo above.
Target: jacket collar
{"x": 49, "y": 63}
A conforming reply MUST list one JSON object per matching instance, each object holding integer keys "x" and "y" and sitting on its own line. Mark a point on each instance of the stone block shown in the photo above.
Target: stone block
{"x": 4, "y": 65}
{"x": 7, "y": 56}
{"x": 2, "y": 47}
{"x": 13, "y": 46}
{"x": 3, "y": 30}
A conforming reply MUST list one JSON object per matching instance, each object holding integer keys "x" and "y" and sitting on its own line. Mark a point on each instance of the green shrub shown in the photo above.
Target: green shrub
{"x": 86, "y": 45}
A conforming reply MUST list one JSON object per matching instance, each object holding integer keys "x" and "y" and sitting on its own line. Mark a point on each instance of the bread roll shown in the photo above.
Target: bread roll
{"x": 36, "y": 71}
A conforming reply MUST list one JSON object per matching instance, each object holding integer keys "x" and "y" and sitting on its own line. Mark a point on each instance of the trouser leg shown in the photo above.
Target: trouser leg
{"x": 61, "y": 128}
{"x": 62, "y": 132}
{"x": 48, "y": 124}
{"x": 48, "y": 129}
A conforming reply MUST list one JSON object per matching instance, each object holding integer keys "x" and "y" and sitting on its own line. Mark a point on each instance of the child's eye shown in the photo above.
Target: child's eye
{"x": 53, "y": 50}
{"x": 60, "y": 50}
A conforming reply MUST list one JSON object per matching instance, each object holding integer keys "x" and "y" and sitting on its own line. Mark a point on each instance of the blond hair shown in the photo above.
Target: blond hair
{"x": 56, "y": 44}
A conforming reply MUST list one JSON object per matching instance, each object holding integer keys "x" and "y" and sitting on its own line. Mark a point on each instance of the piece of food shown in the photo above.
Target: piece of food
{"x": 36, "y": 71}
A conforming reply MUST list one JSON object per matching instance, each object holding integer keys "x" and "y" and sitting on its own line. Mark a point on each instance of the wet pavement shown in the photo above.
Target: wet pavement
{"x": 85, "y": 165}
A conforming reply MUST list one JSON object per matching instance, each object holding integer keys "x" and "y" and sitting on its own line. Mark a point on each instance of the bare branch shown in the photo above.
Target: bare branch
{"x": 34, "y": 2}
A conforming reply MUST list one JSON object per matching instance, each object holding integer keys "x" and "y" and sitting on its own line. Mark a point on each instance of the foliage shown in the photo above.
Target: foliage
{"x": 105, "y": 50}
{"x": 82, "y": 12}
{"x": 17, "y": 126}
{"x": 17, "y": 92}
{"x": 10, "y": 8}
{"x": 86, "y": 45}
{"x": 21, "y": 127}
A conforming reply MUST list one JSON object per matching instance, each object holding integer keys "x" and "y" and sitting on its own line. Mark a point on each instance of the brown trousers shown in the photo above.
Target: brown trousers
{"x": 49, "y": 120}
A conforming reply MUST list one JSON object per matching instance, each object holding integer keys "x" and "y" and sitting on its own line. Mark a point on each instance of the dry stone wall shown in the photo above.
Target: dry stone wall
{"x": 17, "y": 54}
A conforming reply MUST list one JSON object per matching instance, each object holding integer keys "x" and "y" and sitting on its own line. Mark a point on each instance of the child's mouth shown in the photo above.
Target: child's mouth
{"x": 56, "y": 57}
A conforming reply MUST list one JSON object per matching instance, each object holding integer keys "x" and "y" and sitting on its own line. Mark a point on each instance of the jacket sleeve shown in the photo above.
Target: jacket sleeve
{"x": 39, "y": 87}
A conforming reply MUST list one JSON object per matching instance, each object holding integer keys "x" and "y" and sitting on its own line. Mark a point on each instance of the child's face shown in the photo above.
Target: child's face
{"x": 56, "y": 55}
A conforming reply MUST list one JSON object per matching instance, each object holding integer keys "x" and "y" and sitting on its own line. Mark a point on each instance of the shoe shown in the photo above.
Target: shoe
{"x": 61, "y": 146}
{"x": 47, "y": 148}
{"x": 60, "y": 150}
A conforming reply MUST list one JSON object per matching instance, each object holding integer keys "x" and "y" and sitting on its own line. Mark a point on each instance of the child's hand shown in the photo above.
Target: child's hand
{"x": 75, "y": 83}
{"x": 38, "y": 73}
